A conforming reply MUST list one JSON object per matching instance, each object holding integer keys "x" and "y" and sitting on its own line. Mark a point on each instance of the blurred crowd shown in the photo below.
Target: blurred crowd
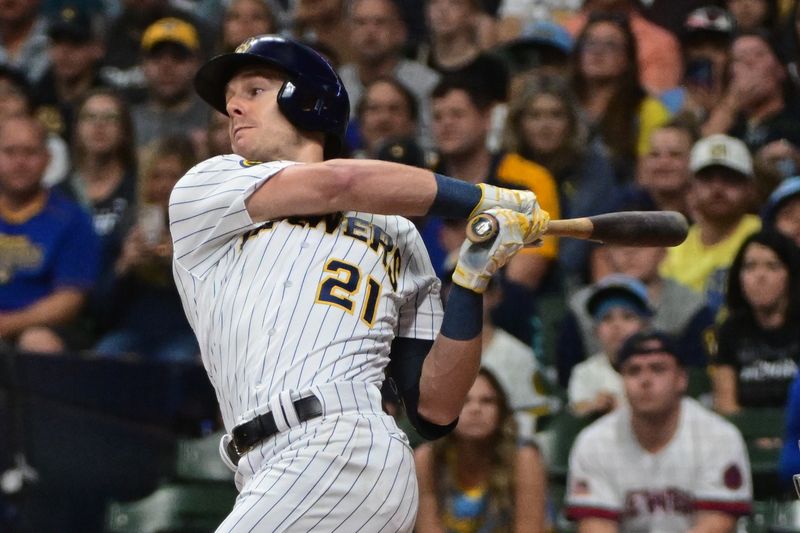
{"x": 595, "y": 105}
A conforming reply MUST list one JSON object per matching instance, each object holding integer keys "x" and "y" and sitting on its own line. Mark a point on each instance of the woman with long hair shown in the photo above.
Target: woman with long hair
{"x": 756, "y": 353}
{"x": 103, "y": 179}
{"x": 544, "y": 125}
{"x": 606, "y": 80}
{"x": 480, "y": 478}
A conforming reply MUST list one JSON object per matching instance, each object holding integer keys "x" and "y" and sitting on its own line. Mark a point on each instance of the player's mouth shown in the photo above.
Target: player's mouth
{"x": 239, "y": 129}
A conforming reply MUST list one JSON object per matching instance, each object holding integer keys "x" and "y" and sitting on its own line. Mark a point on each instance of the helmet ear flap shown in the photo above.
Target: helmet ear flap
{"x": 312, "y": 111}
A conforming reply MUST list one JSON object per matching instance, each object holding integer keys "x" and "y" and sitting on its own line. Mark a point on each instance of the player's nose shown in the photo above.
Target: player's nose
{"x": 234, "y": 106}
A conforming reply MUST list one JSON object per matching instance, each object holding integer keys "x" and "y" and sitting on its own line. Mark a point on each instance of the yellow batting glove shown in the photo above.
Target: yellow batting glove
{"x": 520, "y": 200}
{"x": 477, "y": 263}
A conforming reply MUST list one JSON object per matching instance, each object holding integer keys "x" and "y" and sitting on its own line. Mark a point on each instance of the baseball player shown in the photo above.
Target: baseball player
{"x": 663, "y": 463}
{"x": 303, "y": 287}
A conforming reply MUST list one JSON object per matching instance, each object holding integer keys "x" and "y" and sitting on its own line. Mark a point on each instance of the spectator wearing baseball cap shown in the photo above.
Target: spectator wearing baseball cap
{"x": 705, "y": 37}
{"x": 75, "y": 51}
{"x": 662, "y": 447}
{"x": 170, "y": 50}
{"x": 782, "y": 209}
{"x": 722, "y": 191}
{"x": 619, "y": 307}
{"x": 542, "y": 47}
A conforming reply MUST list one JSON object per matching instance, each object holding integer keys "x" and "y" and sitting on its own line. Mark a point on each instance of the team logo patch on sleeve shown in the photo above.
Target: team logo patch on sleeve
{"x": 249, "y": 163}
{"x": 733, "y": 477}
{"x": 580, "y": 487}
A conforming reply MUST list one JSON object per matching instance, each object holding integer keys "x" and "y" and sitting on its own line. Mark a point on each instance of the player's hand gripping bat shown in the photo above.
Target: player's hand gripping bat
{"x": 624, "y": 228}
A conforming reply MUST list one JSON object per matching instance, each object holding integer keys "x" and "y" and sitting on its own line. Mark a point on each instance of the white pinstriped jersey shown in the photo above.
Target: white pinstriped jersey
{"x": 294, "y": 303}
{"x": 704, "y": 467}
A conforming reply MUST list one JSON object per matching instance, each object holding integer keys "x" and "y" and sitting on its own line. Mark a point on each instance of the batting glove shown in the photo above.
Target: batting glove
{"x": 520, "y": 200}
{"x": 477, "y": 263}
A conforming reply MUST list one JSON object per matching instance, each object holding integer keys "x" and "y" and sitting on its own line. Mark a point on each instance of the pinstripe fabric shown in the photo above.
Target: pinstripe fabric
{"x": 303, "y": 305}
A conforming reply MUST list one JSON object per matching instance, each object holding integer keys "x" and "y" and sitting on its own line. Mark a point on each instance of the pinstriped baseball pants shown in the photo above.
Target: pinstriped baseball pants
{"x": 346, "y": 472}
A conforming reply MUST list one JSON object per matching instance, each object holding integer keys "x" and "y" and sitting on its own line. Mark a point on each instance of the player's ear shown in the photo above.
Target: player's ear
{"x": 683, "y": 380}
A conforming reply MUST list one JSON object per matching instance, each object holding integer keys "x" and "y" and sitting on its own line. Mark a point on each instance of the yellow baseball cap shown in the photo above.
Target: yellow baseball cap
{"x": 172, "y": 30}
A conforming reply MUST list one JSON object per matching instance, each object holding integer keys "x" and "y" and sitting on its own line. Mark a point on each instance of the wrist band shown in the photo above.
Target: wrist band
{"x": 454, "y": 198}
{"x": 463, "y": 314}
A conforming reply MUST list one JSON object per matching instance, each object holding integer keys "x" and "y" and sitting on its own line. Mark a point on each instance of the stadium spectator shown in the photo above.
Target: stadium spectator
{"x": 722, "y": 194}
{"x": 103, "y": 180}
{"x": 658, "y": 464}
{"x": 541, "y": 49}
{"x": 754, "y": 15}
{"x": 756, "y": 107}
{"x": 75, "y": 51}
{"x": 782, "y": 210}
{"x": 479, "y": 478}
{"x": 245, "y": 18}
{"x": 324, "y": 23}
{"x": 377, "y": 36}
{"x": 23, "y": 38}
{"x": 619, "y": 307}
{"x": 217, "y": 135}
{"x": 388, "y": 111}
{"x": 147, "y": 318}
{"x": 756, "y": 350}
{"x": 461, "y": 124}
{"x": 122, "y": 62}
{"x": 48, "y": 250}
{"x": 170, "y": 57}
{"x": 454, "y": 46}
{"x": 679, "y": 310}
{"x": 705, "y": 43}
{"x": 544, "y": 126}
{"x": 658, "y": 58}
{"x": 15, "y": 100}
{"x": 606, "y": 81}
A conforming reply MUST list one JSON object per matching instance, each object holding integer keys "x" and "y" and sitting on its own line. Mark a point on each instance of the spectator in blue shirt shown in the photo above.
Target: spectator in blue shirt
{"x": 48, "y": 250}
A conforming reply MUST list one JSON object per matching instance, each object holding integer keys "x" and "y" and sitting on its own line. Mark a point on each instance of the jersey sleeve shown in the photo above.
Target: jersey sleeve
{"x": 207, "y": 208}
{"x": 591, "y": 491}
{"x": 724, "y": 483}
{"x": 421, "y": 311}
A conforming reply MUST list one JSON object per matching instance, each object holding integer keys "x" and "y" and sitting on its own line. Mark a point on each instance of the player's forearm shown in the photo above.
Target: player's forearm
{"x": 57, "y": 308}
{"x": 714, "y": 522}
{"x": 453, "y": 362}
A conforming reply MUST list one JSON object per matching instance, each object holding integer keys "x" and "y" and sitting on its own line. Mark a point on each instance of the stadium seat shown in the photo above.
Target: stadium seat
{"x": 173, "y": 508}
{"x": 762, "y": 429}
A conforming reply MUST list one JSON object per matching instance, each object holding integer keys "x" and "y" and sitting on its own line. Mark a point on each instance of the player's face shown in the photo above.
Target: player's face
{"x": 764, "y": 278}
{"x": 787, "y": 220}
{"x": 23, "y": 158}
{"x": 459, "y": 127}
{"x": 480, "y": 415}
{"x": 666, "y": 166}
{"x": 258, "y": 129}
{"x": 545, "y": 124}
{"x": 654, "y": 384}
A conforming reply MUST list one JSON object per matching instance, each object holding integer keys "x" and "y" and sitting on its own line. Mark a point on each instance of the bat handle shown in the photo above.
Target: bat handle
{"x": 482, "y": 228}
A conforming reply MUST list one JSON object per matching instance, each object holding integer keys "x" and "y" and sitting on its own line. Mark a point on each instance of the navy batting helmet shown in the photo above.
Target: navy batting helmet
{"x": 313, "y": 97}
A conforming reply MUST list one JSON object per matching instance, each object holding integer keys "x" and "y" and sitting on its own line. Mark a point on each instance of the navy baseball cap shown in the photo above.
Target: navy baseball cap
{"x": 72, "y": 23}
{"x": 619, "y": 290}
{"x": 647, "y": 342}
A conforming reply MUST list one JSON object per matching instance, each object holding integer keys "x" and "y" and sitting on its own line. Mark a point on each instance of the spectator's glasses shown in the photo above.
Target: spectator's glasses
{"x": 106, "y": 118}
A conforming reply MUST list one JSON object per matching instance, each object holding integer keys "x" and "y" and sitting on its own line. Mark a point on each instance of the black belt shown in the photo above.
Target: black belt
{"x": 245, "y": 436}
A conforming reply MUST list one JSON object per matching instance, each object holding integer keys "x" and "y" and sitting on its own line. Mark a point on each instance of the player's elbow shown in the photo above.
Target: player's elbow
{"x": 340, "y": 186}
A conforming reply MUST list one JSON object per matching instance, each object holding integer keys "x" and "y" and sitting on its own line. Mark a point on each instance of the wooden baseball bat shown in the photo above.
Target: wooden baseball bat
{"x": 625, "y": 228}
